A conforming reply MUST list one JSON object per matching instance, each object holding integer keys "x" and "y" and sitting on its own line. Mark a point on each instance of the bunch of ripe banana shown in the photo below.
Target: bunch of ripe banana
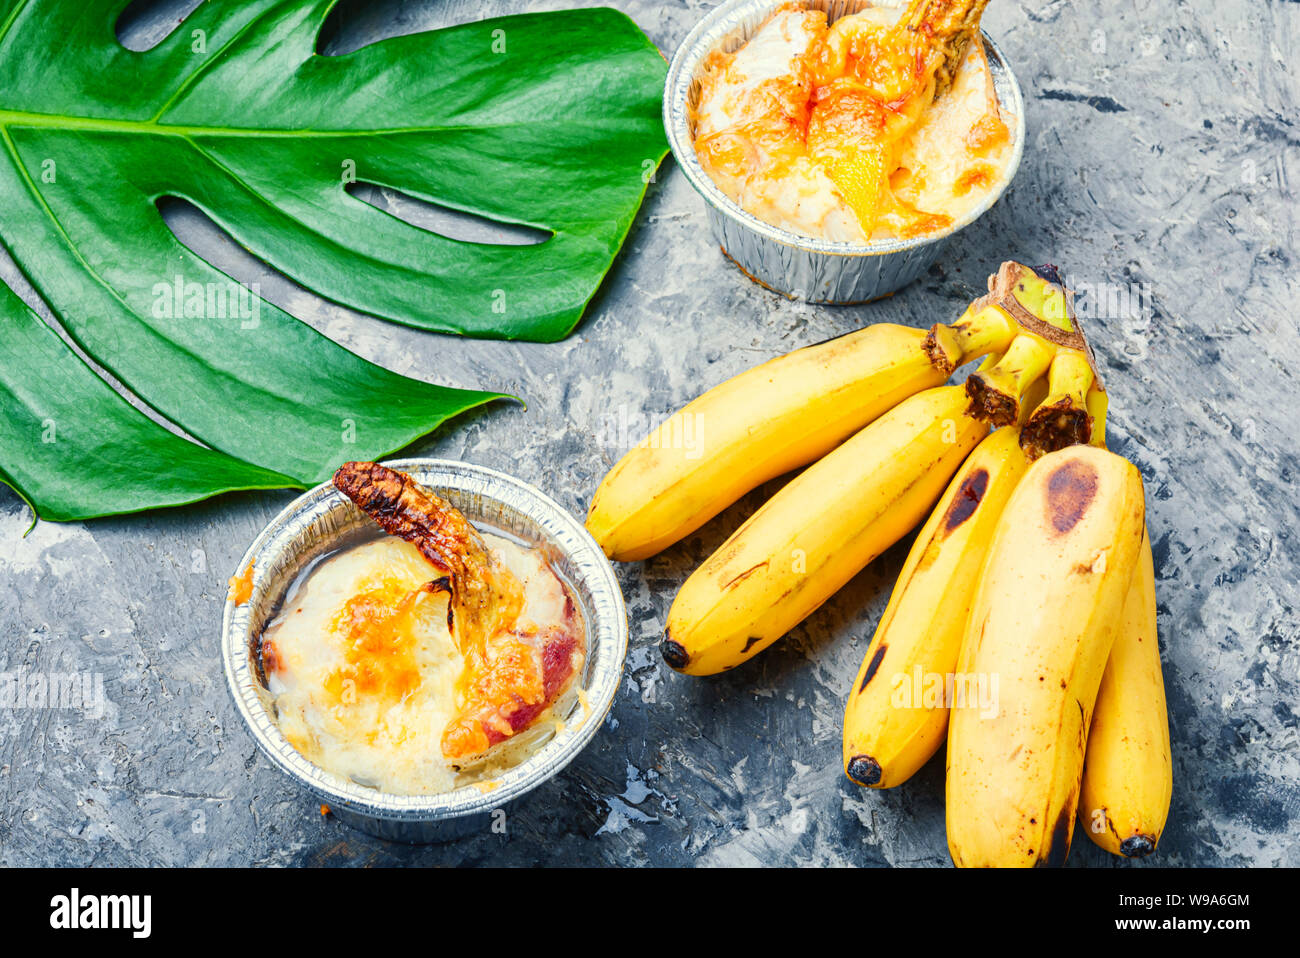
{"x": 1025, "y": 611}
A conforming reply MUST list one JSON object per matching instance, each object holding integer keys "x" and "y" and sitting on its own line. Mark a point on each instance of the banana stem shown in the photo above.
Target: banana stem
{"x": 995, "y": 393}
{"x": 1062, "y": 419}
{"x": 977, "y": 333}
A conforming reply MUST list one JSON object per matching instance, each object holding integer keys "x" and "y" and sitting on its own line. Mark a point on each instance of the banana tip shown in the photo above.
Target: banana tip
{"x": 674, "y": 653}
{"x": 864, "y": 770}
{"x": 1139, "y": 846}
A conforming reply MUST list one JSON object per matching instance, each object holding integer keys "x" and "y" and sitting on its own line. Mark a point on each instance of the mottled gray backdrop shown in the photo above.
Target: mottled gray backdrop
{"x": 1161, "y": 148}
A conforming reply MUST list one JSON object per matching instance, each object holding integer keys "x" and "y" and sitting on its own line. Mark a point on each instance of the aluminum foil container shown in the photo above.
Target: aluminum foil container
{"x": 323, "y": 520}
{"x": 801, "y": 267}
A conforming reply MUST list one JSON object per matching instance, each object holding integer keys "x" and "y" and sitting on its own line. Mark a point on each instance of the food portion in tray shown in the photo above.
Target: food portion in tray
{"x": 882, "y": 125}
{"x": 425, "y": 659}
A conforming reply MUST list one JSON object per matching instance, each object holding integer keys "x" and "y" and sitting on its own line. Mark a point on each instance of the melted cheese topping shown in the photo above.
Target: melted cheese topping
{"x": 364, "y": 672}
{"x": 958, "y": 152}
{"x": 832, "y": 131}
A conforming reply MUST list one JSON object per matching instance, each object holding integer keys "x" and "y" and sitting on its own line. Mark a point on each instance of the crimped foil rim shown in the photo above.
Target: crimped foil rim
{"x": 605, "y": 616}
{"x": 711, "y": 31}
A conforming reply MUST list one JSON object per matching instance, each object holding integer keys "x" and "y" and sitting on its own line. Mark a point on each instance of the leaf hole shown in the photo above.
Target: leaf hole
{"x": 207, "y": 239}
{"x": 443, "y": 220}
{"x": 146, "y": 23}
{"x": 12, "y": 277}
{"x": 374, "y": 339}
{"x": 353, "y": 24}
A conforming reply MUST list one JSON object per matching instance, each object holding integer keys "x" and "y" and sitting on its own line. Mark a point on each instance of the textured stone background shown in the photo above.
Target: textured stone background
{"x": 1161, "y": 148}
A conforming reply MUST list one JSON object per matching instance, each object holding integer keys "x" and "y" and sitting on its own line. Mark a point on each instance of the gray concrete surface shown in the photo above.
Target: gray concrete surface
{"x": 1162, "y": 145}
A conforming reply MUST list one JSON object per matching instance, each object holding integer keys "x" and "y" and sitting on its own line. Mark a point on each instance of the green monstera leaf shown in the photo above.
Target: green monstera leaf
{"x": 549, "y": 121}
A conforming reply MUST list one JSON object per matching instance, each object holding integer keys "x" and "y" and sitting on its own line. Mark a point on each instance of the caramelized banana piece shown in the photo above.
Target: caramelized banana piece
{"x": 486, "y": 597}
{"x": 946, "y": 27}
{"x": 520, "y": 678}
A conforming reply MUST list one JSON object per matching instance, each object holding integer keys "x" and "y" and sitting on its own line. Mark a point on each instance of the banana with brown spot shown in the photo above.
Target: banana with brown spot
{"x": 897, "y": 711}
{"x": 1042, "y": 625}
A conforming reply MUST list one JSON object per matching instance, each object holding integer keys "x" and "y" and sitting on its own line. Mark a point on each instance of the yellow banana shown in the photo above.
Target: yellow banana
{"x": 897, "y": 712}
{"x": 772, "y": 419}
{"x": 1128, "y": 775}
{"x": 817, "y": 532}
{"x": 893, "y": 725}
{"x": 1041, "y": 627}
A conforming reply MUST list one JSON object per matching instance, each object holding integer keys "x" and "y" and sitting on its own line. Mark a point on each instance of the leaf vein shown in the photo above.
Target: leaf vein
{"x": 203, "y": 68}
{"x": 61, "y": 121}
{"x": 106, "y": 362}
{"x": 13, "y": 18}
